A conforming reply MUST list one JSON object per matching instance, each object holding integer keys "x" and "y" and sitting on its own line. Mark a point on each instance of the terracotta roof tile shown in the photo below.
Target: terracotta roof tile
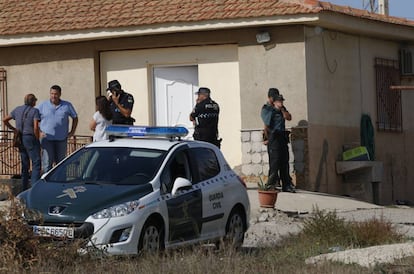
{"x": 36, "y": 16}
{"x": 326, "y": 6}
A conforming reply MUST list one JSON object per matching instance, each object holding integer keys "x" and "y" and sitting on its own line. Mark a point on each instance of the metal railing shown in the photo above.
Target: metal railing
{"x": 10, "y": 157}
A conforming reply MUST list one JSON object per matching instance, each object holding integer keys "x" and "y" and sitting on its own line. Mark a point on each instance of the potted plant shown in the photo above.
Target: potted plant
{"x": 267, "y": 194}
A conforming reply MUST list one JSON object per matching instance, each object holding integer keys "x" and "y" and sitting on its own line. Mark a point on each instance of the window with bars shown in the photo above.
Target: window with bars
{"x": 389, "y": 109}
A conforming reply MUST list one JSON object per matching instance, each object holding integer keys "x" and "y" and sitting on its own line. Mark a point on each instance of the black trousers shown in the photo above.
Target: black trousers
{"x": 278, "y": 151}
{"x": 207, "y": 136}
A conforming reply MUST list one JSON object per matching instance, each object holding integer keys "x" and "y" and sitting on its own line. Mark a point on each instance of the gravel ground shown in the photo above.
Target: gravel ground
{"x": 268, "y": 226}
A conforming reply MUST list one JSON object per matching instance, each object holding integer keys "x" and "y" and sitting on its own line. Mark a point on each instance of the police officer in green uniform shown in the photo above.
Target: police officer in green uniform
{"x": 205, "y": 116}
{"x": 274, "y": 114}
{"x": 121, "y": 104}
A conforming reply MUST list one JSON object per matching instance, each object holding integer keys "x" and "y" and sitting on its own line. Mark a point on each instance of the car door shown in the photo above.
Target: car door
{"x": 207, "y": 177}
{"x": 184, "y": 208}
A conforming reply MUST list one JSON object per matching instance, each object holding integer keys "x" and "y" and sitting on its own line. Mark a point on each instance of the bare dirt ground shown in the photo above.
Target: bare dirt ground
{"x": 268, "y": 226}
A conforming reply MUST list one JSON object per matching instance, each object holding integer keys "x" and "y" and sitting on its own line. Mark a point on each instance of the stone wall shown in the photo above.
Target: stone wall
{"x": 255, "y": 160}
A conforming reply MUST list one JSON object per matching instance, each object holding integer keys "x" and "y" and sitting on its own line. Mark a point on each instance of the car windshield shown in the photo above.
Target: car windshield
{"x": 124, "y": 166}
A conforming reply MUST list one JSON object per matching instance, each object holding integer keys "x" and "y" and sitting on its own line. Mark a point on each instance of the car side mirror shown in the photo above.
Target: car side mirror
{"x": 180, "y": 183}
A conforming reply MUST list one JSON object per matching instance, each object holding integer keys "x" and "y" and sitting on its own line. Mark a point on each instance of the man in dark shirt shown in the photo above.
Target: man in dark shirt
{"x": 205, "y": 116}
{"x": 121, "y": 104}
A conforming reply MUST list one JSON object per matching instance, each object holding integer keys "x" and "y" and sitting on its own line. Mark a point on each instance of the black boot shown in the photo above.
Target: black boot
{"x": 289, "y": 188}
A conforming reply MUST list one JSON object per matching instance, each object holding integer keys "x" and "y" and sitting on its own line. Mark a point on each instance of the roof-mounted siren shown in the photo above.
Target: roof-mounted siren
{"x": 143, "y": 131}
{"x": 406, "y": 62}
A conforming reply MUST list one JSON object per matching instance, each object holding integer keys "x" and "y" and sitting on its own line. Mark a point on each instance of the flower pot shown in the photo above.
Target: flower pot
{"x": 267, "y": 198}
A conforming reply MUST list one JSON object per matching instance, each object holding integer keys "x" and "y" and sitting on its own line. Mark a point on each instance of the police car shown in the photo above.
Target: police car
{"x": 127, "y": 194}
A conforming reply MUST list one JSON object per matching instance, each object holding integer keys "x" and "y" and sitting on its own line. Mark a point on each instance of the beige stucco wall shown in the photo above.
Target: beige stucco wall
{"x": 280, "y": 64}
{"x": 336, "y": 103}
{"x": 217, "y": 68}
{"x": 36, "y": 69}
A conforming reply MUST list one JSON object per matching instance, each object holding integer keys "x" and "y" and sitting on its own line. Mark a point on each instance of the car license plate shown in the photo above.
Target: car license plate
{"x": 54, "y": 231}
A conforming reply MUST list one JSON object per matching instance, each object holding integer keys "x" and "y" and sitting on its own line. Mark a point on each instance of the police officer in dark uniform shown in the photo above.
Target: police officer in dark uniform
{"x": 205, "y": 116}
{"x": 267, "y": 110}
{"x": 278, "y": 139}
{"x": 266, "y": 113}
{"x": 121, "y": 104}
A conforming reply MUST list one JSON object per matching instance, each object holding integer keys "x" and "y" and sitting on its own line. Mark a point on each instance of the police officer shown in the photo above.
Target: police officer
{"x": 267, "y": 111}
{"x": 278, "y": 139}
{"x": 205, "y": 116}
{"x": 121, "y": 104}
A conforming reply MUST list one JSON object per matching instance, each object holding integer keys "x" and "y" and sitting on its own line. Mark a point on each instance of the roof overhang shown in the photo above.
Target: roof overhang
{"x": 329, "y": 20}
{"x": 366, "y": 27}
{"x": 95, "y": 34}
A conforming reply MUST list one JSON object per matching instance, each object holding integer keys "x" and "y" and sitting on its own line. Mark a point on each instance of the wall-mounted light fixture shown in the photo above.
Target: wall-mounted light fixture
{"x": 262, "y": 37}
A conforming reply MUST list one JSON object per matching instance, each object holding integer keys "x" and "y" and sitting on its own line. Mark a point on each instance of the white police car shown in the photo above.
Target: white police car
{"x": 127, "y": 195}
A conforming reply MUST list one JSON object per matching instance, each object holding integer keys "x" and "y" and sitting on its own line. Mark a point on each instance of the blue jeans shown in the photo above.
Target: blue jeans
{"x": 30, "y": 152}
{"x": 53, "y": 152}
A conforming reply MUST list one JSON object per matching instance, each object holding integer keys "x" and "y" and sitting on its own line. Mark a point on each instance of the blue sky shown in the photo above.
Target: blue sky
{"x": 400, "y": 8}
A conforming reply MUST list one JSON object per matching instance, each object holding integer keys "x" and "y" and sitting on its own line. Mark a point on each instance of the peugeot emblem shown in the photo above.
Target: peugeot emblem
{"x": 56, "y": 210}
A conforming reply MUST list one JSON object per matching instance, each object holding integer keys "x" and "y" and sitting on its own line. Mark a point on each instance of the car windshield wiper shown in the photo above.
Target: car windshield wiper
{"x": 97, "y": 182}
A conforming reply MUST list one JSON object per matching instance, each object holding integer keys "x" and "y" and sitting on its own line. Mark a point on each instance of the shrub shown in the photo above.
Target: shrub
{"x": 329, "y": 231}
{"x": 375, "y": 232}
{"x": 17, "y": 244}
{"x": 20, "y": 249}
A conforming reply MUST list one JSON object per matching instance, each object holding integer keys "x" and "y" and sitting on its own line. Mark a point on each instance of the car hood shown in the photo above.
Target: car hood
{"x": 74, "y": 202}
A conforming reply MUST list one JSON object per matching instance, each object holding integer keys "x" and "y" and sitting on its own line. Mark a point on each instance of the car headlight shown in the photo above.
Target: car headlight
{"x": 117, "y": 210}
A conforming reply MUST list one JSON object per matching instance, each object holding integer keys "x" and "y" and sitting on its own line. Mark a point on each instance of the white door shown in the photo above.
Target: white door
{"x": 174, "y": 89}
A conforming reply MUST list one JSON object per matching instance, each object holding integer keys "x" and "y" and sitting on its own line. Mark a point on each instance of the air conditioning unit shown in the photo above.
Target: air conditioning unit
{"x": 406, "y": 61}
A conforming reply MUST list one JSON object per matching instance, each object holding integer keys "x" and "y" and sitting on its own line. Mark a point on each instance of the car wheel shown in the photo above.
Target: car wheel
{"x": 151, "y": 239}
{"x": 235, "y": 229}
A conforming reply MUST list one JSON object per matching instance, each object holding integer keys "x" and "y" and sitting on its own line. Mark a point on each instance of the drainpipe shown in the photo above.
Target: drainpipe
{"x": 383, "y": 7}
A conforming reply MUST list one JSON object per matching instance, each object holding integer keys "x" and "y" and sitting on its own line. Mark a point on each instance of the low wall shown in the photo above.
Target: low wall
{"x": 255, "y": 159}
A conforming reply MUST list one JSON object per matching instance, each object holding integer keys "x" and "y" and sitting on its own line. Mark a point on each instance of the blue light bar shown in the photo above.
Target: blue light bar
{"x": 143, "y": 131}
